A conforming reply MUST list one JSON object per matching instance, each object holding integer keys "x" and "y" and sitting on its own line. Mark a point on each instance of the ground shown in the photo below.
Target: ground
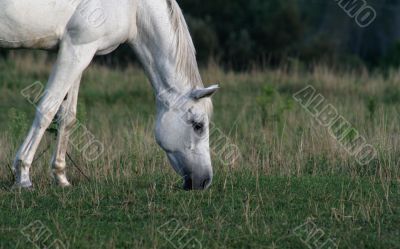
{"x": 291, "y": 184}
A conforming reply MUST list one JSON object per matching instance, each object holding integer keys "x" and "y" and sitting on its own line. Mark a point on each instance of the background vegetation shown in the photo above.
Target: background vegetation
{"x": 244, "y": 34}
{"x": 290, "y": 168}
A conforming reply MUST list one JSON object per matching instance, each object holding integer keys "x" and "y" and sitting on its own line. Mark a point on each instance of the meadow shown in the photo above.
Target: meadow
{"x": 292, "y": 185}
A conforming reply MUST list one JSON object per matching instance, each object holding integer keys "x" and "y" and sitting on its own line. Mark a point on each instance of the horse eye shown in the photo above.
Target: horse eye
{"x": 198, "y": 126}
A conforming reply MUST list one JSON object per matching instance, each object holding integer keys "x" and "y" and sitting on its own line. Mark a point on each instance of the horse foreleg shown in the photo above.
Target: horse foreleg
{"x": 71, "y": 62}
{"x": 66, "y": 118}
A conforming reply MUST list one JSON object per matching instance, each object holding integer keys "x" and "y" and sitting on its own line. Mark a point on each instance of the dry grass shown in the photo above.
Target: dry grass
{"x": 118, "y": 107}
{"x": 279, "y": 142}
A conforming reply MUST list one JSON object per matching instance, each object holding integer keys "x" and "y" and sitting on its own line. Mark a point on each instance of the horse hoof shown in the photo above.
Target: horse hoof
{"x": 22, "y": 186}
{"x": 64, "y": 184}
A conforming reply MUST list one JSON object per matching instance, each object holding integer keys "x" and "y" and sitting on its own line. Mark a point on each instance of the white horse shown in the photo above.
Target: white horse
{"x": 81, "y": 29}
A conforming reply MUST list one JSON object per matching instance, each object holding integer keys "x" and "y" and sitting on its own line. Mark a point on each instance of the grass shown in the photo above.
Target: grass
{"x": 290, "y": 169}
{"x": 238, "y": 212}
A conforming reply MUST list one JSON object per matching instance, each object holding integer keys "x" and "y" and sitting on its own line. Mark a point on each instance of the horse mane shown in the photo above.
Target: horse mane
{"x": 185, "y": 52}
{"x": 184, "y": 48}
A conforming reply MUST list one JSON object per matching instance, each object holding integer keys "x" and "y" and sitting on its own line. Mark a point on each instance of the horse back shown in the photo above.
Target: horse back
{"x": 34, "y": 24}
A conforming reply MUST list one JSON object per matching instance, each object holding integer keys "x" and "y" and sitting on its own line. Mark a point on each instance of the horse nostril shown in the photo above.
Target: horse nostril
{"x": 200, "y": 185}
{"x": 188, "y": 184}
{"x": 206, "y": 183}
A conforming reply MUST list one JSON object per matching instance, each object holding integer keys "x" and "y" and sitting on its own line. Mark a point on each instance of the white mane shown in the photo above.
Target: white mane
{"x": 184, "y": 48}
{"x": 185, "y": 52}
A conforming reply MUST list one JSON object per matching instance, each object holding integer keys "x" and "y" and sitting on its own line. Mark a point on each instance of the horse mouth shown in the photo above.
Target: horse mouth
{"x": 188, "y": 184}
{"x": 191, "y": 180}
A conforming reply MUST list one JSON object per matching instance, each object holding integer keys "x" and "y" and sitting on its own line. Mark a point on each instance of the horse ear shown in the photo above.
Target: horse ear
{"x": 204, "y": 92}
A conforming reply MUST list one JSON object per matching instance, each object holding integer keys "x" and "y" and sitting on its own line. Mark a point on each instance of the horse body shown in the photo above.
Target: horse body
{"x": 33, "y": 24}
{"x": 80, "y": 29}
{"x": 43, "y": 24}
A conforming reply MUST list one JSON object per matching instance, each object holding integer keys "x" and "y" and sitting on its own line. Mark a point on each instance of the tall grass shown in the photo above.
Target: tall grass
{"x": 289, "y": 168}
{"x": 255, "y": 110}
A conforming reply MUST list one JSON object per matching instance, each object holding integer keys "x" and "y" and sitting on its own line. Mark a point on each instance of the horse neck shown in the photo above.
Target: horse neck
{"x": 164, "y": 47}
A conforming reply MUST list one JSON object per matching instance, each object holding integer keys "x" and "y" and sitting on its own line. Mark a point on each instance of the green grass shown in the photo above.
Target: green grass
{"x": 240, "y": 211}
{"x": 290, "y": 169}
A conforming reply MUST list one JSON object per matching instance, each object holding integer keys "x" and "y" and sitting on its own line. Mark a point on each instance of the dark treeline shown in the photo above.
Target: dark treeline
{"x": 240, "y": 32}
{"x": 244, "y": 33}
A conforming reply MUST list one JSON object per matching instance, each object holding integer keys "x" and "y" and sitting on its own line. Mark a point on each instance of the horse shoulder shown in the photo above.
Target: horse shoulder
{"x": 104, "y": 22}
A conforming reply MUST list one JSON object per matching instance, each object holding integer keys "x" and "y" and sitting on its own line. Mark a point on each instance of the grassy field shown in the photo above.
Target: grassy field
{"x": 293, "y": 185}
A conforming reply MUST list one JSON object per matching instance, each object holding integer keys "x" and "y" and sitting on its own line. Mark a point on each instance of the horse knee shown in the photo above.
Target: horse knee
{"x": 66, "y": 117}
{"x": 43, "y": 119}
{"x": 70, "y": 120}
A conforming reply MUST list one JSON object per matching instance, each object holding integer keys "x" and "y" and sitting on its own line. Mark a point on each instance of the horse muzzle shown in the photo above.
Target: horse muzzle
{"x": 196, "y": 177}
{"x": 201, "y": 183}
